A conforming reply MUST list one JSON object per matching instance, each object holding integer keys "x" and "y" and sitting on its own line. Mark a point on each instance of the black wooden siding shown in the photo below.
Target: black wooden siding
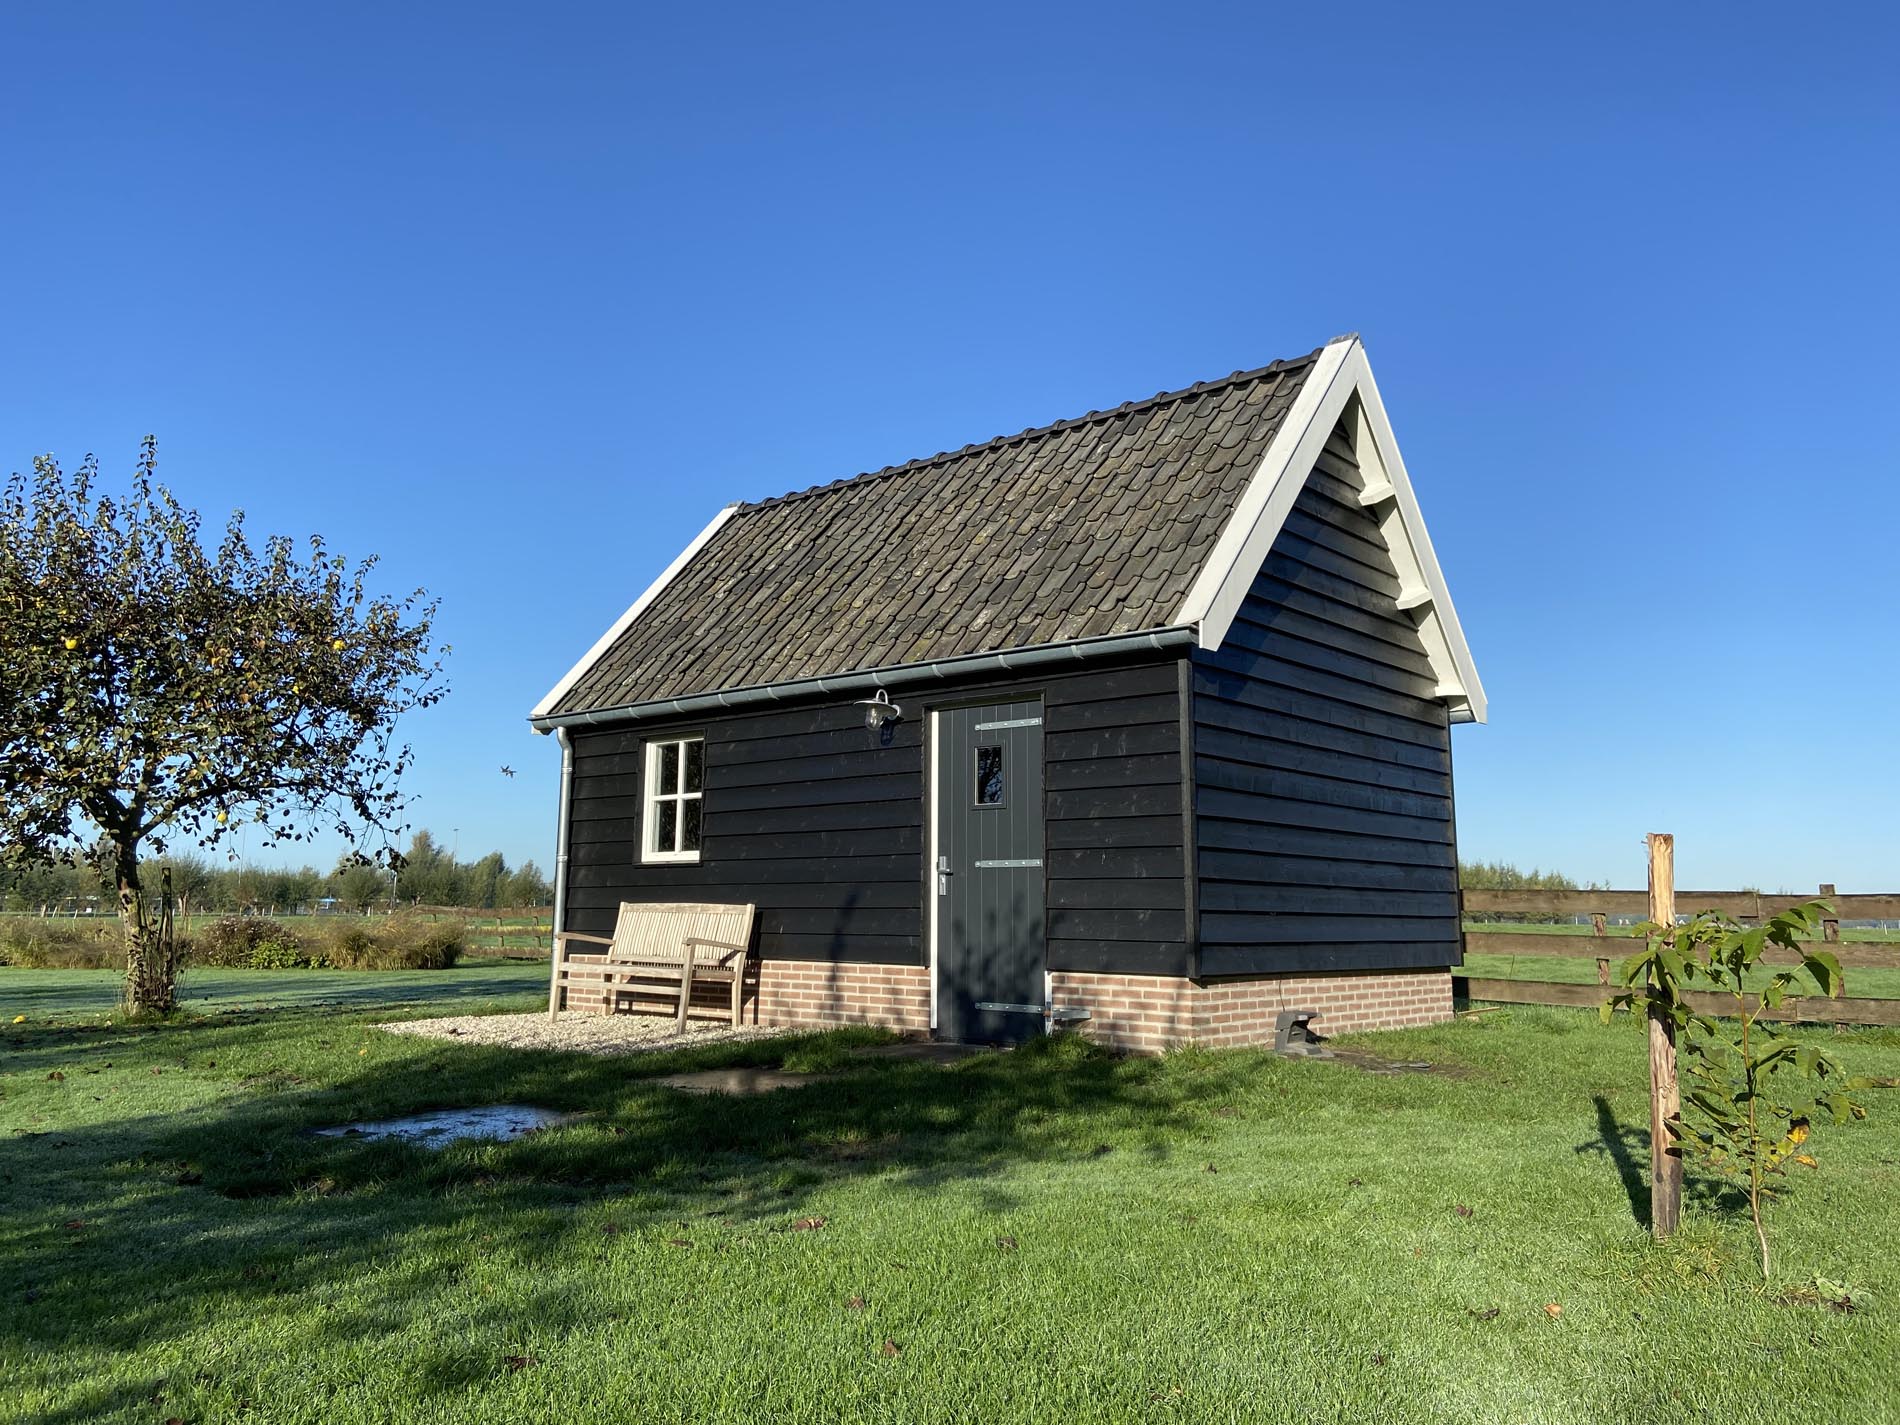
{"x": 823, "y": 826}
{"x": 1322, "y": 761}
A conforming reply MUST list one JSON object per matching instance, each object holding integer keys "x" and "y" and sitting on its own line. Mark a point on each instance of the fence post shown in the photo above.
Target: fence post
{"x": 1665, "y": 1094}
{"x": 1830, "y": 929}
{"x": 1599, "y": 927}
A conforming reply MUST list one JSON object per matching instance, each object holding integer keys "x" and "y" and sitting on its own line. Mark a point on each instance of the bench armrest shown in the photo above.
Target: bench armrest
{"x": 590, "y": 939}
{"x": 696, "y": 942}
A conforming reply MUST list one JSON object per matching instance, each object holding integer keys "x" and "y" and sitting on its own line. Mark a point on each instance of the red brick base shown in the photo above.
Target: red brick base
{"x": 1147, "y": 1013}
{"x": 1151, "y": 1012}
{"x": 788, "y": 992}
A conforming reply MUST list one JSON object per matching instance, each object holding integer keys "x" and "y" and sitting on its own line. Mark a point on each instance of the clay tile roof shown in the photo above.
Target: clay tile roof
{"x": 979, "y": 550}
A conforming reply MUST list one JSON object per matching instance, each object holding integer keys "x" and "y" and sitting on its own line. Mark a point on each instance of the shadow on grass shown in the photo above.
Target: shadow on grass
{"x": 1628, "y": 1149}
{"x": 235, "y": 1208}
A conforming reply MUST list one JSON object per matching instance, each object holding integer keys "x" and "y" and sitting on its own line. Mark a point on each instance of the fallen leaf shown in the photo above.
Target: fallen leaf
{"x": 1806, "y": 1160}
{"x": 521, "y": 1363}
{"x": 1553, "y": 1310}
{"x": 610, "y": 1228}
{"x": 19, "y": 1019}
{"x": 891, "y": 1348}
{"x": 57, "y": 1077}
{"x": 78, "y": 1224}
{"x": 1354, "y": 1182}
{"x": 679, "y": 1242}
{"x": 1378, "y": 1358}
{"x": 808, "y": 1224}
{"x": 1210, "y": 1168}
{"x": 855, "y": 1304}
{"x": 1490, "y": 1313}
{"x": 1008, "y": 1244}
{"x": 1462, "y": 1210}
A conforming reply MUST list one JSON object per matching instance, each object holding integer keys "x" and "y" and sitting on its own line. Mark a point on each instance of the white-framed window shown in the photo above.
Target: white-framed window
{"x": 670, "y": 831}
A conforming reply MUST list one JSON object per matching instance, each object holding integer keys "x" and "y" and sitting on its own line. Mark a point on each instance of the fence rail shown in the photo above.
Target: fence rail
{"x": 1605, "y": 944}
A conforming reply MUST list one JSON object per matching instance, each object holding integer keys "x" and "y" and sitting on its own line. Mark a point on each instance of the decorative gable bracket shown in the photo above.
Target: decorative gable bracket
{"x": 1340, "y": 387}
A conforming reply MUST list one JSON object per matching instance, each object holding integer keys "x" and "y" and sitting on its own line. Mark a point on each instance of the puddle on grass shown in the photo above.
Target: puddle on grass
{"x": 743, "y": 1082}
{"x": 503, "y": 1122}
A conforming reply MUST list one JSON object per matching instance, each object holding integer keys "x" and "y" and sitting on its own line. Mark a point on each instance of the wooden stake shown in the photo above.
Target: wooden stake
{"x": 1665, "y": 1094}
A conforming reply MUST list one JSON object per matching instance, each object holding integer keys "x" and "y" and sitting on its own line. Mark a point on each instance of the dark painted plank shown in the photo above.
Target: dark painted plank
{"x": 884, "y": 845}
{"x": 1273, "y": 811}
{"x": 818, "y": 767}
{"x": 903, "y": 786}
{"x": 1320, "y": 871}
{"x": 1159, "y": 770}
{"x": 1239, "y": 688}
{"x": 1128, "y": 923}
{"x": 1215, "y": 832}
{"x": 1338, "y": 681}
{"x": 1220, "y": 895}
{"x": 1223, "y": 960}
{"x": 1265, "y": 622}
{"x": 1119, "y": 712}
{"x": 1236, "y": 928}
{"x": 1139, "y": 893}
{"x": 1084, "y": 803}
{"x": 1097, "y": 957}
{"x": 1215, "y": 713}
{"x": 1145, "y": 831}
{"x": 1096, "y": 863}
{"x": 1140, "y": 740}
{"x": 1290, "y": 755}
{"x": 1272, "y": 783}
{"x": 869, "y": 950}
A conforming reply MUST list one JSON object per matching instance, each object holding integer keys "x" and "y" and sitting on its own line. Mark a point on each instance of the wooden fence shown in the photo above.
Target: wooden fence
{"x": 1606, "y": 945}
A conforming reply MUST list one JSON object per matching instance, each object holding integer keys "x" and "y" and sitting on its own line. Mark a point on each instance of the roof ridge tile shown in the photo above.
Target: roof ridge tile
{"x": 1199, "y": 388}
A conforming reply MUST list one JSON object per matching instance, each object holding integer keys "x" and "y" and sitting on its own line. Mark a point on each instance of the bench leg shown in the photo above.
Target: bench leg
{"x": 738, "y": 988}
{"x": 686, "y": 990}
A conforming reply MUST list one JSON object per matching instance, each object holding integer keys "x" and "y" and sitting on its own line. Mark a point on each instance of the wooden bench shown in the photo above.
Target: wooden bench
{"x": 672, "y": 944}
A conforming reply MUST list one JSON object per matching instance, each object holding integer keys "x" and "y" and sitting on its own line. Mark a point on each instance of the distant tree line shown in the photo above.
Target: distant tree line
{"x": 429, "y": 875}
{"x": 1503, "y": 876}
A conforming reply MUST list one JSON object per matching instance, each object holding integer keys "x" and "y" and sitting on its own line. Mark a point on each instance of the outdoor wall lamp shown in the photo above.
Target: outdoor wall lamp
{"x": 879, "y": 710}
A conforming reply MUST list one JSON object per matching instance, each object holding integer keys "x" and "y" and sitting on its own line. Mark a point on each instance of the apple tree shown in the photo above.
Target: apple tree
{"x": 155, "y": 691}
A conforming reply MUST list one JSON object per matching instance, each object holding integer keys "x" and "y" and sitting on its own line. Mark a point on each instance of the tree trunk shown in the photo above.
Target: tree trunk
{"x": 151, "y": 969}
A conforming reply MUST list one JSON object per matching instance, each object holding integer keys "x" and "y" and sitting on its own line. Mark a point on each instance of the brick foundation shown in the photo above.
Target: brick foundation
{"x": 788, "y": 992}
{"x": 1145, "y": 1013}
{"x": 1150, "y": 1012}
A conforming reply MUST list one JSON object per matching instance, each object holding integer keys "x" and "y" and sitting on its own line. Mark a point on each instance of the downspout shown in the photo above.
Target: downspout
{"x": 559, "y": 922}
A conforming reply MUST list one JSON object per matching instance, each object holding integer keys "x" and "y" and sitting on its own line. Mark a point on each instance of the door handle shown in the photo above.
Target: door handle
{"x": 944, "y": 873}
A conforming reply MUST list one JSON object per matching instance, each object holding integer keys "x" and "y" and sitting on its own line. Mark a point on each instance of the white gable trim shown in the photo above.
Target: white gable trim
{"x": 607, "y": 639}
{"x": 1340, "y": 373}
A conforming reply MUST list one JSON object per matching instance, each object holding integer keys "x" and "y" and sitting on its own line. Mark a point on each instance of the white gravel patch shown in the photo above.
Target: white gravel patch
{"x": 581, "y": 1033}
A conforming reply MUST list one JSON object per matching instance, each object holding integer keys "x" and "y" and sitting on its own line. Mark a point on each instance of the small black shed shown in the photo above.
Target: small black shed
{"x": 1145, "y": 714}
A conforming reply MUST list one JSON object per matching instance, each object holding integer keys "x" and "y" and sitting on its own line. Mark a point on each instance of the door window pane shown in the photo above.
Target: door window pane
{"x": 989, "y": 776}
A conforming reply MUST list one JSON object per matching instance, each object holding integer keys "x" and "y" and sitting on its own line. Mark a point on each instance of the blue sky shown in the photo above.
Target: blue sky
{"x": 518, "y": 296}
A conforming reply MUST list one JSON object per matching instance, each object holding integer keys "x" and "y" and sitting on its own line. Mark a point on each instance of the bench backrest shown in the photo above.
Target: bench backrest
{"x": 656, "y": 933}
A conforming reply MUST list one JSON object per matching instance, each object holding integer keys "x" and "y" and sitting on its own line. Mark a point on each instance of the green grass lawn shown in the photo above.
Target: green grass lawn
{"x": 1046, "y": 1235}
{"x": 51, "y": 994}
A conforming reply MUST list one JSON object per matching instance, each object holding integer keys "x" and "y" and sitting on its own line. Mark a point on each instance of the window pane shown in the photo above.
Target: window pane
{"x": 989, "y": 776}
{"x": 695, "y": 764}
{"x": 689, "y": 827}
{"x": 668, "y": 779}
{"x": 666, "y": 817}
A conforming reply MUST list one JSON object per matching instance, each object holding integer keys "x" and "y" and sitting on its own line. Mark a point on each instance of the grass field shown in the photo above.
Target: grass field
{"x": 1046, "y": 1235}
